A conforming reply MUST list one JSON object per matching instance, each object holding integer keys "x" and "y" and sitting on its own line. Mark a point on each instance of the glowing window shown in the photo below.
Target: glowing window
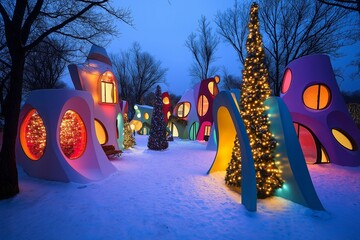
{"x": 168, "y": 114}
{"x": 33, "y": 135}
{"x": 108, "y": 88}
{"x": 217, "y": 79}
{"x": 343, "y": 139}
{"x": 316, "y": 97}
{"x": 203, "y": 105}
{"x": 307, "y": 143}
{"x": 207, "y": 130}
{"x": 183, "y": 109}
{"x": 286, "y": 81}
{"x": 72, "y": 135}
{"x": 324, "y": 156}
{"x": 146, "y": 116}
{"x": 166, "y": 100}
{"x": 193, "y": 130}
{"x": 100, "y": 132}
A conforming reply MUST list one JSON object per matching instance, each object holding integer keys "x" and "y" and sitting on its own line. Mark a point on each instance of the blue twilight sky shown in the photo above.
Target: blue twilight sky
{"x": 162, "y": 28}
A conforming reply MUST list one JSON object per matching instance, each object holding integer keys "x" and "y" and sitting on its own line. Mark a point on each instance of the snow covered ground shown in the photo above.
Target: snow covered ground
{"x": 167, "y": 195}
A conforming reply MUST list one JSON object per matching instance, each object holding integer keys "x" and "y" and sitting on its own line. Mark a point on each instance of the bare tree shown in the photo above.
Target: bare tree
{"x": 232, "y": 26}
{"x": 229, "y": 81}
{"x": 293, "y": 29}
{"x": 203, "y": 47}
{"x": 25, "y": 25}
{"x": 138, "y": 73}
{"x": 45, "y": 65}
{"x": 353, "y": 5}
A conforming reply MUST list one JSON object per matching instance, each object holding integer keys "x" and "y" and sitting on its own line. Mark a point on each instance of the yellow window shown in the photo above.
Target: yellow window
{"x": 100, "y": 132}
{"x": 342, "y": 139}
{"x": 108, "y": 88}
{"x": 203, "y": 105}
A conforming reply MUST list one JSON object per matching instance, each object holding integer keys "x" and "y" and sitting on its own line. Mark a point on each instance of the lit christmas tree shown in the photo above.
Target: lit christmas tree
{"x": 157, "y": 138}
{"x": 233, "y": 171}
{"x": 129, "y": 140}
{"x": 254, "y": 91}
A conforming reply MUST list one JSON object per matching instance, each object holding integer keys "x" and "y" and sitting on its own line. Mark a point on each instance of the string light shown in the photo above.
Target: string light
{"x": 72, "y": 135}
{"x": 129, "y": 140}
{"x": 254, "y": 91}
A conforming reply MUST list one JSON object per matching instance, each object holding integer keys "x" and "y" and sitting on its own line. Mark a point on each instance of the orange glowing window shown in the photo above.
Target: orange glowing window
{"x": 166, "y": 100}
{"x": 33, "y": 135}
{"x": 207, "y": 130}
{"x": 72, "y": 135}
{"x": 203, "y": 105}
{"x": 146, "y": 116}
{"x": 343, "y": 139}
{"x": 100, "y": 132}
{"x": 217, "y": 79}
{"x": 316, "y": 97}
{"x": 286, "y": 81}
{"x": 108, "y": 88}
{"x": 212, "y": 88}
{"x": 183, "y": 109}
{"x": 168, "y": 114}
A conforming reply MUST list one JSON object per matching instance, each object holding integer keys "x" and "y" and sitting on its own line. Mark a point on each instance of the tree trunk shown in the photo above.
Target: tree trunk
{"x": 8, "y": 172}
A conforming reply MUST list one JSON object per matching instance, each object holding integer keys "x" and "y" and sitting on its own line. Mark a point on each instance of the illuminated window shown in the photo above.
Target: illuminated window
{"x": 146, "y": 116}
{"x": 166, "y": 100}
{"x": 72, "y": 135}
{"x": 203, "y": 105}
{"x": 183, "y": 109}
{"x": 324, "y": 156}
{"x": 173, "y": 129}
{"x": 217, "y": 79}
{"x": 33, "y": 135}
{"x": 207, "y": 130}
{"x": 316, "y": 97}
{"x": 213, "y": 88}
{"x": 286, "y": 81}
{"x": 100, "y": 132}
{"x": 307, "y": 143}
{"x": 168, "y": 114}
{"x": 343, "y": 139}
{"x": 108, "y": 88}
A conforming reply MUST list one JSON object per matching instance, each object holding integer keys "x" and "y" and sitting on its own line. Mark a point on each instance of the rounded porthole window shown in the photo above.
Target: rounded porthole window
{"x": 72, "y": 135}
{"x": 203, "y": 105}
{"x": 146, "y": 116}
{"x": 317, "y": 97}
{"x": 183, "y": 109}
{"x": 343, "y": 139}
{"x": 166, "y": 100}
{"x": 33, "y": 135}
{"x": 217, "y": 79}
{"x": 100, "y": 132}
{"x": 286, "y": 81}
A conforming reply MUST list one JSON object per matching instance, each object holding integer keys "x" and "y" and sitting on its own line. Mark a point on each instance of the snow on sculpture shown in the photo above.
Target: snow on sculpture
{"x": 96, "y": 76}
{"x": 57, "y": 138}
{"x": 325, "y": 129}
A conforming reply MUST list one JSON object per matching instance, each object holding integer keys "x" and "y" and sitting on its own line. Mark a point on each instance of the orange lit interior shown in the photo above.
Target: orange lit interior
{"x": 286, "y": 81}
{"x": 166, "y": 100}
{"x": 100, "y": 132}
{"x": 183, "y": 109}
{"x": 316, "y": 97}
{"x": 72, "y": 135}
{"x": 33, "y": 135}
{"x": 108, "y": 88}
{"x": 342, "y": 139}
{"x": 203, "y": 105}
{"x": 217, "y": 79}
{"x": 146, "y": 116}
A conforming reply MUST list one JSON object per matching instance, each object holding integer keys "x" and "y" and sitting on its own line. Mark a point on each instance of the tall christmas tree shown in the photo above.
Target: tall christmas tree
{"x": 129, "y": 140}
{"x": 233, "y": 171}
{"x": 254, "y": 91}
{"x": 157, "y": 138}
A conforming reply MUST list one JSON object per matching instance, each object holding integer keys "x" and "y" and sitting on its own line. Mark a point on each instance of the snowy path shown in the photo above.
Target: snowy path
{"x": 167, "y": 195}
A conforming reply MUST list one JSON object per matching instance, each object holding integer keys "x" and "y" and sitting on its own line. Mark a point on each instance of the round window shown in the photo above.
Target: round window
{"x": 317, "y": 97}
{"x": 33, "y": 135}
{"x": 72, "y": 135}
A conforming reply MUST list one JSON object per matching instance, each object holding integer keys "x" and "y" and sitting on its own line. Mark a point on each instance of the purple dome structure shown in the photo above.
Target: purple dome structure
{"x": 325, "y": 129}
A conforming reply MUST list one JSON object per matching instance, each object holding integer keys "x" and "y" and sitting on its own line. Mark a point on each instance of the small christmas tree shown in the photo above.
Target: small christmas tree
{"x": 233, "y": 171}
{"x": 157, "y": 138}
{"x": 254, "y": 91}
{"x": 129, "y": 140}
